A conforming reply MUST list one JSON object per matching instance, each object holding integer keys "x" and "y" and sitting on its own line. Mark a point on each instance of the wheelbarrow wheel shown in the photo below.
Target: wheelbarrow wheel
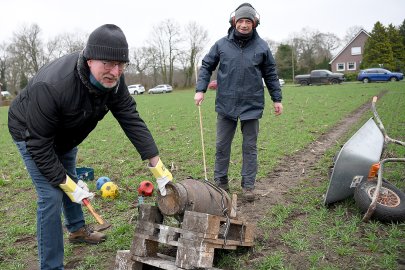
{"x": 390, "y": 202}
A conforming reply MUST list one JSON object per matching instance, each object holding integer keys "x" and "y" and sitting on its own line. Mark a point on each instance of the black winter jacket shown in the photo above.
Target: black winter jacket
{"x": 60, "y": 107}
{"x": 240, "y": 92}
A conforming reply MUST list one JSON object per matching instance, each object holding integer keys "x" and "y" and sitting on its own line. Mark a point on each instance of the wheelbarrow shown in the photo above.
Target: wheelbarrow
{"x": 358, "y": 170}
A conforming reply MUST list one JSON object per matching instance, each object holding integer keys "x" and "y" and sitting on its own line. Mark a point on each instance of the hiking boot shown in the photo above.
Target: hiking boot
{"x": 86, "y": 235}
{"x": 248, "y": 194}
{"x": 218, "y": 183}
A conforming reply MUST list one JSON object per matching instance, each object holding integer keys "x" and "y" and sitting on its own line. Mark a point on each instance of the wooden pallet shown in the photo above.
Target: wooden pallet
{"x": 200, "y": 234}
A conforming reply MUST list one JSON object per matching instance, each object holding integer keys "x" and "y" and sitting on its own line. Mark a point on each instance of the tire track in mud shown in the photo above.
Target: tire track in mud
{"x": 292, "y": 169}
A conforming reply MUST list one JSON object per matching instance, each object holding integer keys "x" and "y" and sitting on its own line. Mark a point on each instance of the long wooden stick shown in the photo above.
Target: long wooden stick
{"x": 202, "y": 143}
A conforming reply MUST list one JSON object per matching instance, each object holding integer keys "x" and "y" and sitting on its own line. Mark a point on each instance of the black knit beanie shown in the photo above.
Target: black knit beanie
{"x": 107, "y": 42}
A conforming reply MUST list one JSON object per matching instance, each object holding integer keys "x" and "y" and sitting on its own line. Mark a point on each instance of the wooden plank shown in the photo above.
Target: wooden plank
{"x": 163, "y": 262}
{"x": 234, "y": 204}
{"x": 167, "y": 235}
{"x": 249, "y": 233}
{"x": 123, "y": 260}
{"x": 144, "y": 247}
{"x": 150, "y": 213}
{"x": 200, "y": 245}
{"x": 200, "y": 222}
{"x": 189, "y": 257}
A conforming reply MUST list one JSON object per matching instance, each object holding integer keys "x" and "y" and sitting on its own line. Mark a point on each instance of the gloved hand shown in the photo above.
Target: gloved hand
{"x": 162, "y": 175}
{"x": 83, "y": 185}
{"x": 75, "y": 192}
{"x": 162, "y": 184}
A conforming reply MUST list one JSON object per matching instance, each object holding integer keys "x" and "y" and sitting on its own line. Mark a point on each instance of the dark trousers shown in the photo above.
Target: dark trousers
{"x": 225, "y": 133}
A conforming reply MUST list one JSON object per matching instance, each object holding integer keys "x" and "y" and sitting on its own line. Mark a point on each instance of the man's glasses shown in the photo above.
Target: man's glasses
{"x": 110, "y": 65}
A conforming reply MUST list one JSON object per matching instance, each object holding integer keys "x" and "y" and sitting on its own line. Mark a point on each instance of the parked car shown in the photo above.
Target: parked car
{"x": 5, "y": 94}
{"x": 281, "y": 81}
{"x": 136, "y": 89}
{"x": 161, "y": 88}
{"x": 378, "y": 74}
{"x": 213, "y": 85}
{"x": 320, "y": 76}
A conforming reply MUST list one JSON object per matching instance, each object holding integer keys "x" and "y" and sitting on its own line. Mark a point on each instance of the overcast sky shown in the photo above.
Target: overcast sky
{"x": 279, "y": 19}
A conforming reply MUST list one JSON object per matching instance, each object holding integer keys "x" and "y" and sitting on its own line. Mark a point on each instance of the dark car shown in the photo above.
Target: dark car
{"x": 319, "y": 76}
{"x": 213, "y": 85}
{"x": 379, "y": 74}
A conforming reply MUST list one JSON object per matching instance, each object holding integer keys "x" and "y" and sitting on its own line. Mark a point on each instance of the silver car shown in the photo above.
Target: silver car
{"x": 161, "y": 88}
{"x": 136, "y": 89}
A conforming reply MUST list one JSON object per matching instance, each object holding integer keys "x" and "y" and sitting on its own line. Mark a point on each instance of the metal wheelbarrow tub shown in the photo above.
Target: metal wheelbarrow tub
{"x": 353, "y": 162}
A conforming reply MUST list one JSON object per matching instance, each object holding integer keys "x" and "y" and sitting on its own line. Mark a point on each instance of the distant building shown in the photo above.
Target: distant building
{"x": 350, "y": 57}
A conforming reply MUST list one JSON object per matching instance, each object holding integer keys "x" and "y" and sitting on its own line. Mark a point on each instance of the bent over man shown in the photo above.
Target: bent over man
{"x": 57, "y": 110}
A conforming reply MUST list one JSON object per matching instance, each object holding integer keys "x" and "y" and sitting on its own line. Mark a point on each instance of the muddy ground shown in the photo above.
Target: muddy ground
{"x": 289, "y": 173}
{"x": 293, "y": 169}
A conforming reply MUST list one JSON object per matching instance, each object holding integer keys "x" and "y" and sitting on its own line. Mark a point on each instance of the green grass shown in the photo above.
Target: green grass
{"x": 323, "y": 238}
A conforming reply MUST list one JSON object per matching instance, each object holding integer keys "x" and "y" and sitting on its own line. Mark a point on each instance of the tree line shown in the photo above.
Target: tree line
{"x": 172, "y": 53}
{"x": 385, "y": 48}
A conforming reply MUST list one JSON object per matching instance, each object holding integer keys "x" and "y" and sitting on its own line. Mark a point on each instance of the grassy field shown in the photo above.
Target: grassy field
{"x": 174, "y": 122}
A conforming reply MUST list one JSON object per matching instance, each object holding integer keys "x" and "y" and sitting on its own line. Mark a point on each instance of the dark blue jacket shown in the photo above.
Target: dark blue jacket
{"x": 240, "y": 92}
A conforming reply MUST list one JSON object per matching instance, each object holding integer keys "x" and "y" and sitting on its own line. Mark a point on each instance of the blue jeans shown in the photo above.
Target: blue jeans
{"x": 51, "y": 202}
{"x": 225, "y": 133}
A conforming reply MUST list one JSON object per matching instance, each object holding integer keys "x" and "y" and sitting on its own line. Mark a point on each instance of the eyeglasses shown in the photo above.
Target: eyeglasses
{"x": 110, "y": 65}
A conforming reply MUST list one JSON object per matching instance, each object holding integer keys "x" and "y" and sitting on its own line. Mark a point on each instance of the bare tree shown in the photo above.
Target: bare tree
{"x": 183, "y": 60}
{"x": 166, "y": 39}
{"x": 27, "y": 47}
{"x": 140, "y": 62}
{"x": 325, "y": 45}
{"x": 306, "y": 49}
{"x": 273, "y": 45}
{"x": 64, "y": 44}
{"x": 351, "y": 32}
{"x": 313, "y": 49}
{"x": 153, "y": 60}
{"x": 196, "y": 38}
{"x": 3, "y": 65}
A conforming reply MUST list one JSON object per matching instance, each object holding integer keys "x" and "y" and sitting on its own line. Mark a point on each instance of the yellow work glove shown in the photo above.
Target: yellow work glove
{"x": 74, "y": 192}
{"x": 162, "y": 175}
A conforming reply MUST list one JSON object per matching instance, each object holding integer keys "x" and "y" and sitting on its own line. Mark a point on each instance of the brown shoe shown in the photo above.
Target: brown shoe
{"x": 248, "y": 194}
{"x": 86, "y": 235}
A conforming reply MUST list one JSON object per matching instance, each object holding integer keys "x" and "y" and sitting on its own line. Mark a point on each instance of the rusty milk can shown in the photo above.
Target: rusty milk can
{"x": 193, "y": 195}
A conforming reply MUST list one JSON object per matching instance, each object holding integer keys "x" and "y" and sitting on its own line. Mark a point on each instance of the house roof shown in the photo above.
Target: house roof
{"x": 350, "y": 42}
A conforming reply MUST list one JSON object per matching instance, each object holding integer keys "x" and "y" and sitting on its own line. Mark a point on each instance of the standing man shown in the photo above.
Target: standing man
{"x": 57, "y": 110}
{"x": 244, "y": 59}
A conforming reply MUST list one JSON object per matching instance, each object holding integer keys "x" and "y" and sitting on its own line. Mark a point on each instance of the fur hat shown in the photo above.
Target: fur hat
{"x": 107, "y": 42}
{"x": 245, "y": 12}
